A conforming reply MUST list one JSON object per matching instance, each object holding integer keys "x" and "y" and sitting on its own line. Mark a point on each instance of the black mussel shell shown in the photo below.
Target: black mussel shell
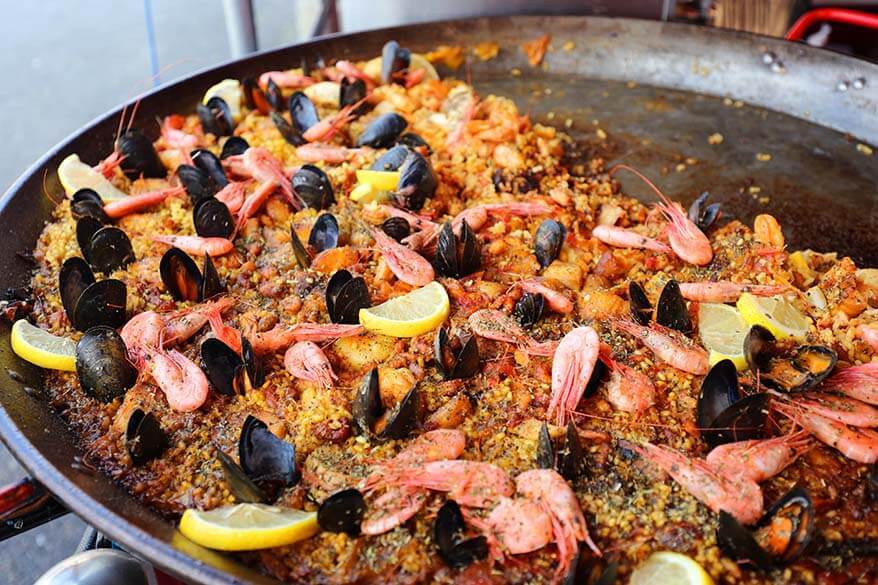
{"x": 223, "y": 366}
{"x": 403, "y": 418}
{"x": 212, "y": 219}
{"x": 738, "y": 543}
{"x": 351, "y": 92}
{"x": 181, "y": 276}
{"x": 545, "y": 458}
{"x": 719, "y": 390}
{"x": 242, "y": 487}
{"x": 102, "y": 364}
{"x": 414, "y": 141}
{"x": 742, "y": 421}
{"x": 287, "y": 130}
{"x": 449, "y": 531}
{"x": 382, "y": 131}
{"x": 303, "y": 258}
{"x": 610, "y": 576}
{"x": 75, "y": 277}
{"x": 252, "y": 364}
{"x": 324, "y": 233}
{"x": 346, "y": 299}
{"x": 457, "y": 257}
{"x": 274, "y": 95}
{"x": 759, "y": 347}
{"x": 397, "y": 228}
{"x": 391, "y": 160}
{"x": 314, "y": 187}
{"x": 638, "y": 303}
{"x": 529, "y": 309}
{"x": 216, "y": 117}
{"x": 597, "y": 375}
{"x": 110, "y": 249}
{"x": 703, "y": 215}
{"x": 254, "y": 97}
{"x": 87, "y": 203}
{"x": 197, "y": 183}
{"x": 302, "y": 112}
{"x": 139, "y": 157}
{"x": 333, "y": 287}
{"x": 456, "y": 364}
{"x": 86, "y": 227}
{"x": 367, "y": 407}
{"x": 417, "y": 181}
{"x": 342, "y": 512}
{"x": 144, "y": 437}
{"x": 800, "y": 369}
{"x": 671, "y": 310}
{"x": 102, "y": 303}
{"x": 571, "y": 459}
{"x": 548, "y": 241}
{"x": 211, "y": 284}
{"x": 265, "y": 457}
{"x": 210, "y": 164}
{"x": 394, "y": 61}
{"x": 233, "y": 146}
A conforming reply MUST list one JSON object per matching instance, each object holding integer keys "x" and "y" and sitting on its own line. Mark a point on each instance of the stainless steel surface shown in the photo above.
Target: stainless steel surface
{"x": 99, "y": 567}
{"x": 240, "y": 27}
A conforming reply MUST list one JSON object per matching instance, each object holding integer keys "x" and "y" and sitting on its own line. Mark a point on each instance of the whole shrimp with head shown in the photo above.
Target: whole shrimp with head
{"x": 572, "y": 366}
{"x": 498, "y": 326}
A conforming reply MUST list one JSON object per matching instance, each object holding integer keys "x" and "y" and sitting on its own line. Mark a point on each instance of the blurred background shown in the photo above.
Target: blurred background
{"x": 65, "y": 63}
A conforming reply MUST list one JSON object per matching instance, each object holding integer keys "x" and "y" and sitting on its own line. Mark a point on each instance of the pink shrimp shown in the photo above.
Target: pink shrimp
{"x": 327, "y": 127}
{"x": 232, "y": 195}
{"x": 758, "y": 460}
{"x": 667, "y": 347}
{"x": 317, "y": 152}
{"x": 406, "y": 264}
{"x": 182, "y": 325}
{"x": 184, "y": 384}
{"x": 346, "y": 68}
{"x": 869, "y": 334}
{"x": 178, "y": 140}
{"x": 556, "y": 301}
{"x": 306, "y": 361}
{"x": 742, "y": 498}
{"x": 553, "y": 494}
{"x": 254, "y": 203}
{"x": 282, "y": 336}
{"x": 258, "y": 163}
{"x": 498, "y": 326}
{"x": 135, "y": 203}
{"x": 629, "y": 390}
{"x": 457, "y": 134}
{"x": 726, "y": 292}
{"x": 520, "y": 525}
{"x": 142, "y": 332}
{"x": 860, "y": 382}
{"x": 392, "y": 508}
{"x": 196, "y": 245}
{"x": 285, "y": 79}
{"x": 860, "y": 445}
{"x": 412, "y": 78}
{"x": 228, "y": 335}
{"x": 625, "y": 238}
{"x": 572, "y": 366}
{"x": 843, "y": 409}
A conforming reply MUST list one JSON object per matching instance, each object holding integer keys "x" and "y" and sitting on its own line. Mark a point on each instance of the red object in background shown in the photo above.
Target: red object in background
{"x": 841, "y": 15}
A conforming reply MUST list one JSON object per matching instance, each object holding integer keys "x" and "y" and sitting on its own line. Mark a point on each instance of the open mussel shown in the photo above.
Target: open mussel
{"x": 233, "y": 146}
{"x": 789, "y": 371}
{"x": 254, "y": 97}
{"x": 198, "y": 184}
{"x": 568, "y": 460}
{"x": 144, "y": 437}
{"x": 139, "y": 156}
{"x": 342, "y": 512}
{"x": 87, "y": 203}
{"x": 223, "y": 366}
{"x": 417, "y": 181}
{"x": 397, "y": 228}
{"x": 89, "y": 303}
{"x": 456, "y": 358}
{"x": 264, "y": 457}
{"x": 212, "y": 219}
{"x": 289, "y": 132}
{"x": 313, "y": 186}
{"x": 638, "y": 303}
{"x": 184, "y": 281}
{"x": 382, "y": 131}
{"x": 548, "y": 241}
{"x": 274, "y": 95}
{"x": 102, "y": 364}
{"x": 391, "y": 160}
{"x": 106, "y": 248}
{"x": 779, "y": 537}
{"x": 457, "y": 256}
{"x": 529, "y": 309}
{"x": 394, "y": 63}
{"x": 345, "y": 296}
{"x": 210, "y": 164}
{"x": 415, "y": 142}
{"x": 75, "y": 276}
{"x": 671, "y": 310}
{"x": 449, "y": 534}
{"x": 351, "y": 92}
{"x": 216, "y": 117}
{"x": 242, "y": 487}
{"x": 702, "y": 214}
{"x": 723, "y": 416}
{"x": 303, "y": 113}
{"x": 371, "y": 417}
{"x": 324, "y": 233}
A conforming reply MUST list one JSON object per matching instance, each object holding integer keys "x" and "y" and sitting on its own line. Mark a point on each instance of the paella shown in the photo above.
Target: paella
{"x": 357, "y": 323}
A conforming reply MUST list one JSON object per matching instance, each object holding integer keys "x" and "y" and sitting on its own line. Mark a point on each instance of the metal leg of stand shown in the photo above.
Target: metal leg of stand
{"x": 240, "y": 27}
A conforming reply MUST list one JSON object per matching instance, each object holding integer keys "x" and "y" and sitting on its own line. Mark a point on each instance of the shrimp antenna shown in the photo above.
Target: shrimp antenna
{"x": 622, "y": 166}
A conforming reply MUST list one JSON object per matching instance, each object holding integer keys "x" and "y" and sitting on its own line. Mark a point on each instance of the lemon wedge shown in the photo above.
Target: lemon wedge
{"x": 776, "y": 314}
{"x": 75, "y": 175}
{"x": 722, "y": 330}
{"x": 41, "y": 348}
{"x": 408, "y": 315}
{"x": 366, "y": 193}
{"x": 670, "y": 568}
{"x": 381, "y": 180}
{"x": 248, "y": 526}
{"x": 230, "y": 92}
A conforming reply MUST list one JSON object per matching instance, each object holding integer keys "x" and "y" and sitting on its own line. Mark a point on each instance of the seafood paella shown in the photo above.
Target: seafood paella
{"x": 358, "y": 323}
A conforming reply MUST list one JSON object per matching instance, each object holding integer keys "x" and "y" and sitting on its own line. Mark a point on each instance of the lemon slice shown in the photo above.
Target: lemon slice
{"x": 776, "y": 314}
{"x": 75, "y": 175}
{"x": 670, "y": 568}
{"x": 40, "y": 347}
{"x": 380, "y": 180}
{"x": 408, "y": 315}
{"x": 366, "y": 193}
{"x": 248, "y": 526}
{"x": 230, "y": 92}
{"x": 722, "y": 330}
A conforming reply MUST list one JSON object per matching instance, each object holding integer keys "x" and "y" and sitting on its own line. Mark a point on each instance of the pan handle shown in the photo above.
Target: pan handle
{"x": 24, "y": 505}
{"x": 843, "y": 15}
